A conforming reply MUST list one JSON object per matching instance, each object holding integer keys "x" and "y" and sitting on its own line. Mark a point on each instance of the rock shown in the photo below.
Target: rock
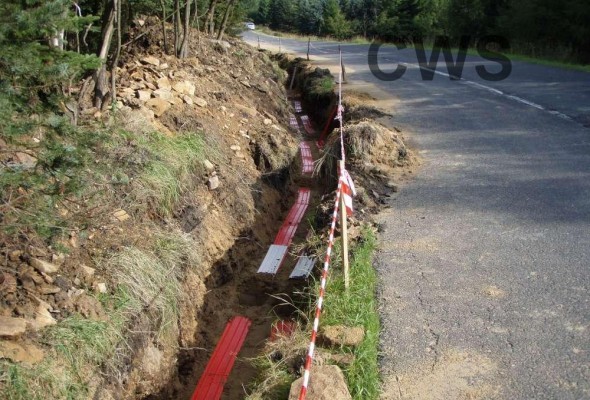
{"x": 164, "y": 94}
{"x": 267, "y": 121}
{"x": 86, "y": 273}
{"x": 43, "y": 317}
{"x": 185, "y": 87}
{"x": 164, "y": 83}
{"x": 213, "y": 183}
{"x": 246, "y": 83}
{"x": 44, "y": 266}
{"x": 100, "y": 287}
{"x": 143, "y": 95}
{"x": 58, "y": 259}
{"x": 15, "y": 255}
{"x": 200, "y": 102}
{"x": 26, "y": 353}
{"x": 325, "y": 383}
{"x": 12, "y": 327}
{"x": 208, "y": 165}
{"x": 339, "y": 335}
{"x": 121, "y": 215}
{"x": 8, "y": 284}
{"x": 187, "y": 99}
{"x": 47, "y": 289}
{"x": 246, "y": 110}
{"x": 235, "y": 147}
{"x": 392, "y": 186}
{"x": 158, "y": 106}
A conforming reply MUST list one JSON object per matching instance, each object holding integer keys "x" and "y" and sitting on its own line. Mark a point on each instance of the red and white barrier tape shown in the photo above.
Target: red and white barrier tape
{"x": 318, "y": 310}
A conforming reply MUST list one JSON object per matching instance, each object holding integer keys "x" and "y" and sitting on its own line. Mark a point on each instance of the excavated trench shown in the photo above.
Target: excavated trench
{"x": 235, "y": 288}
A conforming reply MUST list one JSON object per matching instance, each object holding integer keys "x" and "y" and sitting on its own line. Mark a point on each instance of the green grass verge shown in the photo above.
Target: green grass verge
{"x": 357, "y": 307}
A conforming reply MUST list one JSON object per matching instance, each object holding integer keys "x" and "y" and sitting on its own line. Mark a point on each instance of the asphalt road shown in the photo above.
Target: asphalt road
{"x": 485, "y": 257}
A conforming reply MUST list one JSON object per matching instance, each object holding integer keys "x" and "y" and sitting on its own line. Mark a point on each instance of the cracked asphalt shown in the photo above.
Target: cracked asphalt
{"x": 485, "y": 255}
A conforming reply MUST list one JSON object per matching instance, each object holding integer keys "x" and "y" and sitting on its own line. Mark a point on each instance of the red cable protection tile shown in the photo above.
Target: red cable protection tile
{"x": 289, "y": 227}
{"x": 306, "y": 158}
{"x": 210, "y": 386}
{"x": 307, "y": 125}
{"x": 282, "y": 329}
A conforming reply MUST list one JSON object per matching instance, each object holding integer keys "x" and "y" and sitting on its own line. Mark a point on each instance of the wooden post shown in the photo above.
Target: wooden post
{"x": 342, "y": 66}
{"x": 308, "y": 46}
{"x": 258, "y": 42}
{"x": 344, "y": 232}
{"x": 293, "y": 78}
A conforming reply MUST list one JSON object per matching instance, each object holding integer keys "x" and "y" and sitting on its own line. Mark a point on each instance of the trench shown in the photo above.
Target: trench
{"x": 235, "y": 288}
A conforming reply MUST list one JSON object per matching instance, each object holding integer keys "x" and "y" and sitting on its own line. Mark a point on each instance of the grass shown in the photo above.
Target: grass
{"x": 152, "y": 285}
{"x": 292, "y": 35}
{"x": 357, "y": 307}
{"x": 165, "y": 178}
{"x": 47, "y": 380}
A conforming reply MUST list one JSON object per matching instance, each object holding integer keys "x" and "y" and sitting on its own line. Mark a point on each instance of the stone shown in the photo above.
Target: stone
{"x": 58, "y": 259}
{"x": 15, "y": 255}
{"x": 43, "y": 317}
{"x": 208, "y": 165}
{"x": 213, "y": 183}
{"x": 164, "y": 94}
{"x": 8, "y": 284}
{"x": 121, "y": 215}
{"x": 86, "y": 273}
{"x": 267, "y": 121}
{"x": 100, "y": 287}
{"x": 164, "y": 83}
{"x": 340, "y": 335}
{"x": 12, "y": 327}
{"x": 48, "y": 289}
{"x": 44, "y": 266}
{"x": 235, "y": 147}
{"x": 392, "y": 186}
{"x": 246, "y": 83}
{"x": 143, "y": 95}
{"x": 158, "y": 106}
{"x": 326, "y": 382}
{"x": 187, "y": 99}
{"x": 252, "y": 112}
{"x": 26, "y": 353}
{"x": 200, "y": 102}
{"x": 185, "y": 87}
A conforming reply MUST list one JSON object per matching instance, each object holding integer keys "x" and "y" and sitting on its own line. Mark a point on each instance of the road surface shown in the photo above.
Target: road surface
{"x": 485, "y": 258}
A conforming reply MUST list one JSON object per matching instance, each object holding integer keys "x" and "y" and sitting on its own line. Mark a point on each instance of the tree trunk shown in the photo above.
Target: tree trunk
{"x": 164, "y": 26}
{"x": 184, "y": 47}
{"x": 228, "y": 11}
{"x": 210, "y": 18}
{"x": 176, "y": 27}
{"x": 117, "y": 12}
{"x": 101, "y": 89}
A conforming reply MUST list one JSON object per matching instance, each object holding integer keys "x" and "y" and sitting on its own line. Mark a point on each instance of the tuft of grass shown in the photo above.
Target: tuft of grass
{"x": 46, "y": 380}
{"x": 84, "y": 342}
{"x": 151, "y": 284}
{"x": 164, "y": 179}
